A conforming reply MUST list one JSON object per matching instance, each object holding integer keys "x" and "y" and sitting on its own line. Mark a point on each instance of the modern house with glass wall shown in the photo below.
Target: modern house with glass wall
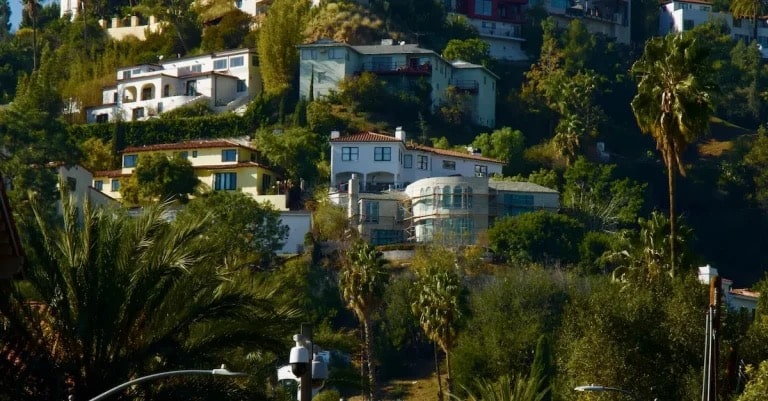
{"x": 395, "y": 191}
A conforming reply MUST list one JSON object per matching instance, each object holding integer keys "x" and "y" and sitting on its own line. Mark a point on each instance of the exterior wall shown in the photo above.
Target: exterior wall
{"x": 676, "y": 15}
{"x": 106, "y": 183}
{"x": 299, "y": 224}
{"x": 330, "y": 65}
{"x": 118, "y": 31}
{"x": 504, "y": 38}
{"x": 615, "y": 25}
{"x": 485, "y": 96}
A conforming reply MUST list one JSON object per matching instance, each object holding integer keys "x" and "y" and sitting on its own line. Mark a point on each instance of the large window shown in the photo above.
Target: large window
{"x": 115, "y": 185}
{"x": 220, "y": 64}
{"x": 225, "y": 181}
{"x": 407, "y": 161}
{"x": 229, "y": 155}
{"x": 371, "y": 211}
{"x": 241, "y": 87}
{"x": 335, "y": 54}
{"x": 236, "y": 62}
{"x": 422, "y": 162}
{"x": 384, "y": 237}
{"x": 483, "y": 7}
{"x": 515, "y": 204}
{"x": 191, "y": 88}
{"x": 350, "y": 153}
{"x": 99, "y": 185}
{"x": 130, "y": 160}
{"x": 138, "y": 113}
{"x": 382, "y": 154}
{"x": 308, "y": 54}
{"x": 449, "y": 165}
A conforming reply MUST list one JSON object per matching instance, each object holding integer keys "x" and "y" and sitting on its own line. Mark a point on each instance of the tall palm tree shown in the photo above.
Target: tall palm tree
{"x": 751, "y": 9}
{"x": 522, "y": 389}
{"x": 108, "y": 297}
{"x": 437, "y": 300}
{"x": 362, "y": 281}
{"x": 673, "y": 103}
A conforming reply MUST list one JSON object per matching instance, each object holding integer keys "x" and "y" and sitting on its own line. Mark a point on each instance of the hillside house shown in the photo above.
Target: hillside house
{"x": 498, "y": 22}
{"x": 325, "y": 63}
{"x": 224, "y": 81}
{"x": 220, "y": 164}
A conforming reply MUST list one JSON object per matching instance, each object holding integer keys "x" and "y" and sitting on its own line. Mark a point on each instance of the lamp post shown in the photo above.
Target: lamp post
{"x": 216, "y": 372}
{"x": 597, "y": 388}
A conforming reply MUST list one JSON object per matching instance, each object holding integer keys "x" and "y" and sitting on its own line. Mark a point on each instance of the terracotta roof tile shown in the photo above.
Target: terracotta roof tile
{"x": 366, "y": 137}
{"x": 110, "y": 174}
{"x": 453, "y": 153}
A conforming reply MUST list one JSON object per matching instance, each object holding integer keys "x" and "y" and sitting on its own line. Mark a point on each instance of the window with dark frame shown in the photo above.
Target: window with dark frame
{"x": 350, "y": 153}
{"x": 382, "y": 154}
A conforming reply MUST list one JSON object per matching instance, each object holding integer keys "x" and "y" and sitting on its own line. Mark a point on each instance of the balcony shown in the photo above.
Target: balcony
{"x": 466, "y": 85}
{"x": 397, "y": 69}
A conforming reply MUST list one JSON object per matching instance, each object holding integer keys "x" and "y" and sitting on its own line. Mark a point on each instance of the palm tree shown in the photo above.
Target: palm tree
{"x": 437, "y": 300}
{"x": 108, "y": 297}
{"x": 673, "y": 103}
{"x": 522, "y": 389}
{"x": 362, "y": 281}
{"x": 751, "y": 9}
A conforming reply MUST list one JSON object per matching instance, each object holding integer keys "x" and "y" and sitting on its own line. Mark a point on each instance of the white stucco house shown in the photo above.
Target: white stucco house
{"x": 325, "y": 63}
{"x": 684, "y": 15}
{"x": 737, "y": 299}
{"x": 224, "y": 80}
{"x": 396, "y": 191}
{"x": 383, "y": 161}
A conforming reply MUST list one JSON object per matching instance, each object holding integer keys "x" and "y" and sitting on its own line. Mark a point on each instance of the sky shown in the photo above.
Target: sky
{"x": 15, "y": 13}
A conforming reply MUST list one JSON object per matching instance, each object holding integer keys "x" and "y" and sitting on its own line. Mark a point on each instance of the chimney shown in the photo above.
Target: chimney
{"x": 400, "y": 134}
{"x": 352, "y": 193}
{"x": 115, "y": 22}
{"x": 134, "y": 20}
{"x": 335, "y": 134}
{"x": 706, "y": 273}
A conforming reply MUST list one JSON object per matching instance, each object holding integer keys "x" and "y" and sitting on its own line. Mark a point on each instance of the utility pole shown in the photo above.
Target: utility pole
{"x": 711, "y": 341}
{"x": 305, "y": 383}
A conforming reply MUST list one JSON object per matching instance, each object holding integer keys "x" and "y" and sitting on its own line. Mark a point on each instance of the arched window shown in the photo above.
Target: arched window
{"x": 446, "y": 197}
{"x": 468, "y": 193}
{"x": 457, "y": 197}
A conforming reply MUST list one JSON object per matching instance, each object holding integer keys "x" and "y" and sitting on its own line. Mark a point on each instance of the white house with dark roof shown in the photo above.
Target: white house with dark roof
{"x": 383, "y": 161}
{"x": 325, "y": 63}
{"x": 224, "y": 80}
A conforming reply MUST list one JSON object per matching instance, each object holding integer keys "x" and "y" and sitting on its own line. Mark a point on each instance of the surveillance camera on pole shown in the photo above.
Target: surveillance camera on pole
{"x": 299, "y": 358}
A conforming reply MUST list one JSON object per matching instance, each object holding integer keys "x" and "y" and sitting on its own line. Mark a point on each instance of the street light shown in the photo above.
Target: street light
{"x": 597, "y": 388}
{"x": 222, "y": 371}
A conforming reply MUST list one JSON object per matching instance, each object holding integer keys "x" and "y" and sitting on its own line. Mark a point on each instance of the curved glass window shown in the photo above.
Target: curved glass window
{"x": 446, "y": 197}
{"x": 469, "y": 198}
{"x": 457, "y": 197}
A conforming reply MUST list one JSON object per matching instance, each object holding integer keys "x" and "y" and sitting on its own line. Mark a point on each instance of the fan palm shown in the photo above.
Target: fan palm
{"x": 362, "y": 281}
{"x": 673, "y": 104}
{"x": 437, "y": 300}
{"x": 108, "y": 297}
{"x": 751, "y": 9}
{"x": 523, "y": 389}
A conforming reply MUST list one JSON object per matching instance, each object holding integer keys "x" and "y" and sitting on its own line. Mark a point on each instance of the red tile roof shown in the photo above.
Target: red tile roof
{"x": 226, "y": 166}
{"x": 198, "y": 144}
{"x": 453, "y": 153}
{"x": 110, "y": 174}
{"x": 366, "y": 137}
{"x": 11, "y": 254}
{"x": 746, "y": 292}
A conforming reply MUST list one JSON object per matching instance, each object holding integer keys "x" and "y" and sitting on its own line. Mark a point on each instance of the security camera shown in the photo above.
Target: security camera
{"x": 299, "y": 358}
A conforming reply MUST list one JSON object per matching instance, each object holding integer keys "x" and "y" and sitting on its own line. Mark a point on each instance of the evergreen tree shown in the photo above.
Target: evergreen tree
{"x": 278, "y": 38}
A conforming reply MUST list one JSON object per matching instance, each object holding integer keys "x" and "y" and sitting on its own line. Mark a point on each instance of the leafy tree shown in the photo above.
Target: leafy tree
{"x": 438, "y": 299}
{"x": 540, "y": 237}
{"x": 756, "y": 160}
{"x": 241, "y": 225}
{"x": 158, "y": 177}
{"x": 601, "y": 203}
{"x": 672, "y": 104}
{"x": 757, "y": 386}
{"x": 456, "y": 108}
{"x": 320, "y": 116}
{"x": 578, "y": 45}
{"x": 365, "y": 92}
{"x": 345, "y": 22}
{"x": 99, "y": 155}
{"x": 509, "y": 314}
{"x": 228, "y": 33}
{"x": 279, "y": 35}
{"x": 503, "y": 144}
{"x": 298, "y": 151}
{"x": 362, "y": 282}
{"x": 5, "y": 20}
{"x": 473, "y": 50}
{"x": 329, "y": 220}
{"x": 108, "y": 297}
